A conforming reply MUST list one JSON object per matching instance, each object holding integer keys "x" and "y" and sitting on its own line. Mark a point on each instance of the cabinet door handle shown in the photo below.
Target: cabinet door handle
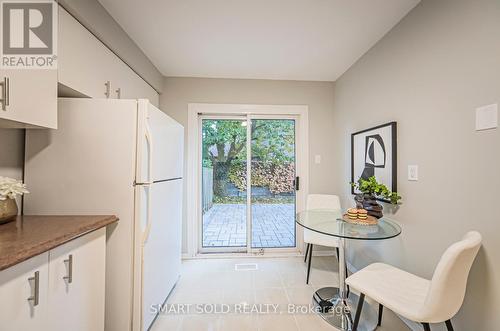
{"x": 69, "y": 276}
{"x": 118, "y": 93}
{"x": 35, "y": 296}
{"x": 5, "y": 93}
{"x": 107, "y": 92}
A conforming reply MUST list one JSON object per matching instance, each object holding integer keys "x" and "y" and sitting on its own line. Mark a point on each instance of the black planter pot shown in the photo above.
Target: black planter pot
{"x": 368, "y": 202}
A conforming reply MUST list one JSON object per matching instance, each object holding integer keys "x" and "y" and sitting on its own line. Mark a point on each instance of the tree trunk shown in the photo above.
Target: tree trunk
{"x": 221, "y": 178}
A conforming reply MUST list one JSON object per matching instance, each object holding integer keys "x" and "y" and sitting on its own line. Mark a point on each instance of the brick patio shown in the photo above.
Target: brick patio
{"x": 224, "y": 225}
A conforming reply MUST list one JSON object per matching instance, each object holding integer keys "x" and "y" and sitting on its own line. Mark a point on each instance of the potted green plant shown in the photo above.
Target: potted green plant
{"x": 371, "y": 190}
{"x": 9, "y": 189}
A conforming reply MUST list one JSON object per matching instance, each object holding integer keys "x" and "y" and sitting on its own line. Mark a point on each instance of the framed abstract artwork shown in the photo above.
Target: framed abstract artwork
{"x": 374, "y": 153}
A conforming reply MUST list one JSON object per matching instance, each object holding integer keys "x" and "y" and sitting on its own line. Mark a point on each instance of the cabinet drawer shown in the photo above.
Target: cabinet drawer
{"x": 18, "y": 309}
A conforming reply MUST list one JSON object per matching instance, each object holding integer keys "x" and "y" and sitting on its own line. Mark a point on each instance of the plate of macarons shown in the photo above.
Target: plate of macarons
{"x": 359, "y": 216}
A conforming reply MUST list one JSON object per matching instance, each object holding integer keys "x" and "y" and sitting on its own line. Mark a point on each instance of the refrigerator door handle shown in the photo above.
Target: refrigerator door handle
{"x": 147, "y": 229}
{"x": 149, "y": 140}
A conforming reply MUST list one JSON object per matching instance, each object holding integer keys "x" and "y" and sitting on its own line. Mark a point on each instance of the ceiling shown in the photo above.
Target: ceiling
{"x": 262, "y": 39}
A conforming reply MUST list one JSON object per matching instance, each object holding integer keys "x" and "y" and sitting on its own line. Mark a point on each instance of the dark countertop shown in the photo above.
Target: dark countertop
{"x": 28, "y": 236}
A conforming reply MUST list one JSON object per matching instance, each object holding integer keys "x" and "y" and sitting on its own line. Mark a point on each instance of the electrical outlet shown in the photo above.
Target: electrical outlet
{"x": 317, "y": 159}
{"x": 413, "y": 172}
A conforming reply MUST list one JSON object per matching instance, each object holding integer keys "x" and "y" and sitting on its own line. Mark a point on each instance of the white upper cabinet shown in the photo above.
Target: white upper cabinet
{"x": 28, "y": 98}
{"x": 87, "y": 66}
{"x": 133, "y": 87}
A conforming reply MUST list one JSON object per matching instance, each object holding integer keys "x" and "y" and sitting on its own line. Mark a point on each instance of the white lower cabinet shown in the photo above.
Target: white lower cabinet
{"x": 23, "y": 295}
{"x": 69, "y": 291}
{"x": 76, "y": 284}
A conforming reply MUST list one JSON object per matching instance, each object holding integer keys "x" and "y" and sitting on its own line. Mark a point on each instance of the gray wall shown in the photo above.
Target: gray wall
{"x": 98, "y": 21}
{"x": 11, "y": 153}
{"x": 429, "y": 74}
{"x": 178, "y": 92}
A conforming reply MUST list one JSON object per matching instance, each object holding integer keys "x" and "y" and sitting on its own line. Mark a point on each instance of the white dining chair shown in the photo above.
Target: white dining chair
{"x": 311, "y": 238}
{"x": 418, "y": 299}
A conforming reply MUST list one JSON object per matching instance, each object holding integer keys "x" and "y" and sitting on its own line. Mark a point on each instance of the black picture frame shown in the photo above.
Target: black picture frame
{"x": 393, "y": 151}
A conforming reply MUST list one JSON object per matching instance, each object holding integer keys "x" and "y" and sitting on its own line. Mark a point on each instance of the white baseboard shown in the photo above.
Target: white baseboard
{"x": 186, "y": 256}
{"x": 202, "y": 256}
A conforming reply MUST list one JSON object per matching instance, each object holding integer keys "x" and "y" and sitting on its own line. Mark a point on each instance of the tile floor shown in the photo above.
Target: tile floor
{"x": 278, "y": 281}
{"x": 273, "y": 225}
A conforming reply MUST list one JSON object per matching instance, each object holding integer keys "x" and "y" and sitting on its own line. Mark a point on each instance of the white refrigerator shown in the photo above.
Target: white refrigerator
{"x": 122, "y": 157}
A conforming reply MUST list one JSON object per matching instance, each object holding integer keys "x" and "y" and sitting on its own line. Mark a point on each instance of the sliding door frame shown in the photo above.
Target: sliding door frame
{"x": 197, "y": 111}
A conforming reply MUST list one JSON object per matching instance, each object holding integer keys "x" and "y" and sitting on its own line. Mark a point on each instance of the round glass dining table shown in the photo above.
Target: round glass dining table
{"x": 336, "y": 304}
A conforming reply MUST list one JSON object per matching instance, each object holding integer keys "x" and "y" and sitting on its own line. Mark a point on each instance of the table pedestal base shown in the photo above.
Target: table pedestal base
{"x": 340, "y": 312}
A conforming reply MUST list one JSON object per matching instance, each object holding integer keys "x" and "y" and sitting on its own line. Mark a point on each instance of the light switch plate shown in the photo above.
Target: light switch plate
{"x": 317, "y": 159}
{"x": 413, "y": 172}
{"x": 487, "y": 117}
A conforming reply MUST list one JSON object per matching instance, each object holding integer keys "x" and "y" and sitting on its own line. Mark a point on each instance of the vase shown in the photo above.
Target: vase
{"x": 8, "y": 210}
{"x": 370, "y": 203}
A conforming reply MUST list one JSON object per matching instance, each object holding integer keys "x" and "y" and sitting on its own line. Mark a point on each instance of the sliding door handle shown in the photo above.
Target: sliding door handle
{"x": 296, "y": 183}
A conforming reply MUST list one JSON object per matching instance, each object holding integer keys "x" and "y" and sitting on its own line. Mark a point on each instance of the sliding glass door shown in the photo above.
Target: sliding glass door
{"x": 240, "y": 215}
{"x": 223, "y": 180}
{"x": 273, "y": 183}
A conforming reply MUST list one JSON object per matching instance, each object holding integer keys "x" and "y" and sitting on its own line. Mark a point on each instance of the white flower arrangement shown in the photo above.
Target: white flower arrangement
{"x": 10, "y": 188}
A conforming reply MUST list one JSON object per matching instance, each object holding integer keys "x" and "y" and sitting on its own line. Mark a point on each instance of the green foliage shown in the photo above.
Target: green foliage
{"x": 225, "y": 140}
{"x": 272, "y": 153}
{"x": 227, "y": 200}
{"x": 273, "y": 141}
{"x": 206, "y": 163}
{"x": 278, "y": 177}
{"x": 262, "y": 200}
{"x": 372, "y": 187}
{"x": 237, "y": 175}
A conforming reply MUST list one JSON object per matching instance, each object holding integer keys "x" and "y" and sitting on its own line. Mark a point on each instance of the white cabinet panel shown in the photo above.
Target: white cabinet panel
{"x": 17, "y": 284}
{"x": 76, "y": 284}
{"x": 32, "y": 98}
{"x": 85, "y": 64}
{"x": 134, "y": 87}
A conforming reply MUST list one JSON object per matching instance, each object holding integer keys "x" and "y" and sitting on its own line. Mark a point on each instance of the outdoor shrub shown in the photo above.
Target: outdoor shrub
{"x": 277, "y": 177}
